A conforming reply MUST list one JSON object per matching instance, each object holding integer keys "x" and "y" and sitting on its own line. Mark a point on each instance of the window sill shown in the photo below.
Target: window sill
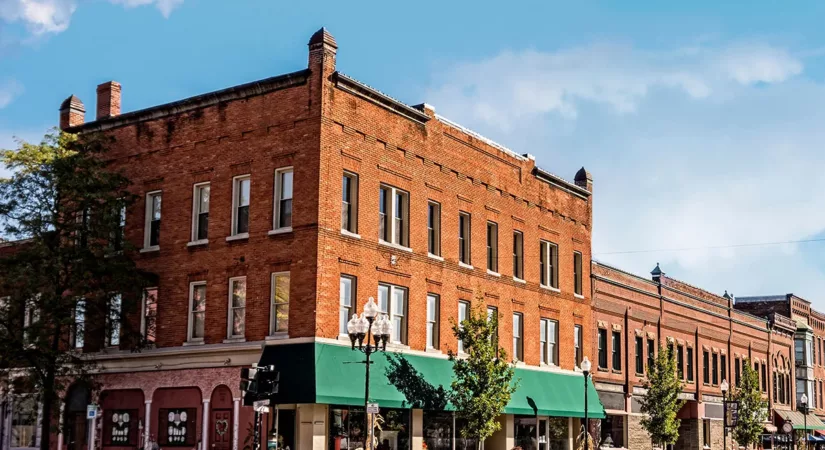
{"x": 519, "y": 280}
{"x": 154, "y": 248}
{"x": 237, "y": 237}
{"x": 282, "y": 230}
{"x": 198, "y": 242}
{"x": 550, "y": 288}
{"x": 278, "y": 336}
{"x": 395, "y": 246}
{"x": 579, "y": 296}
{"x": 348, "y": 233}
{"x": 234, "y": 340}
{"x": 495, "y": 274}
{"x": 435, "y": 257}
{"x": 465, "y": 265}
{"x": 433, "y": 351}
{"x": 193, "y": 343}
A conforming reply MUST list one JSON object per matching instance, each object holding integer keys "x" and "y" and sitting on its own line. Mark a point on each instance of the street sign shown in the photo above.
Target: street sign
{"x": 732, "y": 414}
{"x": 372, "y": 408}
{"x": 91, "y": 411}
{"x": 262, "y": 409}
{"x": 261, "y": 403}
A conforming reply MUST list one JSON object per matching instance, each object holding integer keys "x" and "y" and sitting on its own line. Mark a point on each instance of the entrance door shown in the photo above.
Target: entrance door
{"x": 221, "y": 429}
{"x": 77, "y": 427}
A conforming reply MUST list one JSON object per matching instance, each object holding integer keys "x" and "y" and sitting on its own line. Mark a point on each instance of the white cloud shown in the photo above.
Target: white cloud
{"x": 10, "y": 89}
{"x": 692, "y": 147}
{"x": 42, "y": 17}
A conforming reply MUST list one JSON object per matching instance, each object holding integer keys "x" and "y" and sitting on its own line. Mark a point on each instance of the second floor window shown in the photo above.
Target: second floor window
{"x": 237, "y": 307}
{"x": 577, "y": 273}
{"x": 393, "y": 216}
{"x": 723, "y": 359}
{"x": 715, "y": 369}
{"x": 240, "y": 205}
{"x": 283, "y": 199}
{"x": 602, "y": 348}
{"x": 152, "y": 226}
{"x": 640, "y": 356}
{"x": 617, "y": 350}
{"x": 463, "y": 314}
{"x": 680, "y": 362}
{"x": 392, "y": 300}
{"x": 149, "y": 311}
{"x": 279, "y": 315}
{"x": 705, "y": 367}
{"x": 434, "y": 228}
{"x": 651, "y": 352}
{"x": 492, "y": 247}
{"x": 548, "y": 338}
{"x": 345, "y": 301}
{"x": 432, "y": 320}
{"x": 464, "y": 238}
{"x": 349, "y": 203}
{"x": 197, "y": 310}
{"x": 200, "y": 216}
{"x": 113, "y": 321}
{"x": 548, "y": 264}
{"x": 577, "y": 345}
{"x": 518, "y": 255}
{"x": 689, "y": 364}
{"x": 518, "y": 332}
{"x": 79, "y": 332}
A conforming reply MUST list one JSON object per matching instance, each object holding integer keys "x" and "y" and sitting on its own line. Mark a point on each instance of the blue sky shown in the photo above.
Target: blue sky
{"x": 701, "y": 123}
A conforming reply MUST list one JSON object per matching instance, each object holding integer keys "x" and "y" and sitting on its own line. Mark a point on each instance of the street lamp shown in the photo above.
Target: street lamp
{"x": 724, "y": 388}
{"x": 379, "y": 327}
{"x": 586, "y": 371}
{"x": 803, "y": 407}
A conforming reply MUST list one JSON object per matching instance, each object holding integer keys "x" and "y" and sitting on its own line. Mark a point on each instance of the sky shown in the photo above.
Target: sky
{"x": 701, "y": 122}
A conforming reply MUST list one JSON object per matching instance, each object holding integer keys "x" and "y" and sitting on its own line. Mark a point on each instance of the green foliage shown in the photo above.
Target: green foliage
{"x": 419, "y": 393}
{"x": 752, "y": 407}
{"x": 66, "y": 207}
{"x": 661, "y": 402}
{"x": 483, "y": 379}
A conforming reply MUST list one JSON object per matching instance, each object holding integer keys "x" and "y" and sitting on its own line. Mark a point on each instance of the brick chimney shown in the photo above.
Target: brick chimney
{"x": 108, "y": 100}
{"x": 72, "y": 113}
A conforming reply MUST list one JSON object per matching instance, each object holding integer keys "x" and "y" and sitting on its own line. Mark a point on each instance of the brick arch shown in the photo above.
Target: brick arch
{"x": 206, "y": 381}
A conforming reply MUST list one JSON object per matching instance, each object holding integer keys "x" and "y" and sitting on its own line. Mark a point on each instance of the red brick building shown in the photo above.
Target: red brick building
{"x": 272, "y": 210}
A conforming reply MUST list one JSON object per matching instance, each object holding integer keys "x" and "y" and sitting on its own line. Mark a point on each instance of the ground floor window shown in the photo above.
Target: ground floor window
{"x": 706, "y": 433}
{"x": 281, "y": 435}
{"x": 24, "y": 422}
{"x": 526, "y": 432}
{"x": 347, "y": 428}
{"x": 177, "y": 427}
{"x": 442, "y": 428}
{"x": 120, "y": 428}
{"x": 548, "y": 433}
{"x": 612, "y": 428}
{"x": 558, "y": 431}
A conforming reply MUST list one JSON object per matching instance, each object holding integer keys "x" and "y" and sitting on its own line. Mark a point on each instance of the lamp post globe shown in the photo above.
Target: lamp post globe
{"x": 370, "y": 309}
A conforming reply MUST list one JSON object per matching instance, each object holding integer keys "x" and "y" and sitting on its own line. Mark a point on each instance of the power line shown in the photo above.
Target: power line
{"x": 711, "y": 247}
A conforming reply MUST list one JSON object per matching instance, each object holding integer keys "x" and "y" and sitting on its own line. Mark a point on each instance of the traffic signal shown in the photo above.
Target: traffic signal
{"x": 260, "y": 382}
{"x": 249, "y": 380}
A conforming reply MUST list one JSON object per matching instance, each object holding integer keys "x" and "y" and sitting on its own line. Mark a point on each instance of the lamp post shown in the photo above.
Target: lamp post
{"x": 586, "y": 371}
{"x": 803, "y": 408}
{"x": 724, "y": 388}
{"x": 370, "y": 324}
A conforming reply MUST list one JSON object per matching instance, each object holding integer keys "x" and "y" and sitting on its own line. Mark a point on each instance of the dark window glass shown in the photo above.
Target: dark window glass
{"x": 680, "y": 362}
{"x": 602, "y": 348}
{"x": 640, "y": 364}
{"x": 705, "y": 367}
{"x": 689, "y": 364}
{"x": 577, "y": 270}
{"x": 617, "y": 350}
{"x": 715, "y": 369}
{"x": 651, "y": 352}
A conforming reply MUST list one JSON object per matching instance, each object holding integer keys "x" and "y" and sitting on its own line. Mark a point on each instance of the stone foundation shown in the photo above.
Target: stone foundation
{"x": 637, "y": 437}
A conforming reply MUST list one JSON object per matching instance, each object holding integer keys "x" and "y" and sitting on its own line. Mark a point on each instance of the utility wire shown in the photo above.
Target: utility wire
{"x": 710, "y": 247}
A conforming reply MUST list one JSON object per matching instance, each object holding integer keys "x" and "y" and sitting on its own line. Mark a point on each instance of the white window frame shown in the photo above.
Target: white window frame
{"x": 578, "y": 274}
{"x": 465, "y": 243}
{"x": 191, "y": 322}
{"x": 236, "y": 184}
{"x": 393, "y": 313}
{"x": 231, "y": 309}
{"x": 29, "y": 317}
{"x": 147, "y": 220}
{"x": 353, "y": 203}
{"x": 578, "y": 331}
{"x": 518, "y": 255}
{"x": 518, "y": 336}
{"x": 549, "y": 342}
{"x": 78, "y": 339}
{"x": 433, "y": 316}
{"x": 549, "y": 254}
{"x": 343, "y": 309}
{"x": 273, "y": 306}
{"x": 404, "y": 235}
{"x": 434, "y": 228}
{"x": 277, "y": 226}
{"x": 196, "y": 212}
{"x": 492, "y": 248}
{"x": 144, "y": 323}
{"x": 114, "y": 316}
{"x": 463, "y": 314}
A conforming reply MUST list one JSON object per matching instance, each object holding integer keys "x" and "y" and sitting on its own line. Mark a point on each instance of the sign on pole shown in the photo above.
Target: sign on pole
{"x": 261, "y": 406}
{"x": 732, "y": 417}
{"x": 372, "y": 408}
{"x": 91, "y": 411}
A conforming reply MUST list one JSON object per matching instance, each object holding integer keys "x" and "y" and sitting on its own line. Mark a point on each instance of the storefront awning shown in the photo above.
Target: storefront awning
{"x": 799, "y": 421}
{"x": 332, "y": 374}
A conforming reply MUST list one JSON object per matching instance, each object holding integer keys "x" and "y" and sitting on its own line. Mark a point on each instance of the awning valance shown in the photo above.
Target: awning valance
{"x": 331, "y": 374}
{"x": 799, "y": 420}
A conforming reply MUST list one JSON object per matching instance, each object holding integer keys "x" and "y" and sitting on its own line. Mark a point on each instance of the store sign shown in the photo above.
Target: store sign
{"x": 732, "y": 416}
{"x": 121, "y": 424}
{"x": 177, "y": 426}
{"x": 372, "y": 408}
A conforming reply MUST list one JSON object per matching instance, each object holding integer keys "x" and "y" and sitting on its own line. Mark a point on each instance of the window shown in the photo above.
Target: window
{"x": 197, "y": 310}
{"x": 706, "y": 433}
{"x": 577, "y": 344}
{"x": 492, "y": 247}
{"x": 723, "y": 359}
{"x": 690, "y": 364}
{"x": 764, "y": 378}
{"x": 151, "y": 238}
{"x": 602, "y": 348}
{"x": 518, "y": 332}
{"x": 200, "y": 212}
{"x": 548, "y": 265}
{"x": 113, "y": 321}
{"x": 78, "y": 333}
{"x": 715, "y": 369}
{"x": 349, "y": 202}
{"x": 119, "y": 235}
{"x": 577, "y": 272}
{"x": 392, "y": 300}
{"x": 346, "y": 303}
{"x": 651, "y": 352}
{"x": 279, "y": 315}
{"x": 148, "y": 317}
{"x": 283, "y": 199}
{"x": 30, "y": 317}
{"x": 24, "y": 421}
{"x": 393, "y": 213}
{"x": 434, "y": 228}
{"x": 640, "y": 362}
{"x": 237, "y": 307}
{"x": 680, "y": 362}
{"x": 432, "y": 320}
{"x": 492, "y": 314}
{"x": 240, "y": 205}
{"x": 464, "y": 238}
{"x": 617, "y": 350}
{"x": 518, "y": 255}
{"x": 799, "y": 351}
{"x": 463, "y": 314}
{"x": 736, "y": 370}
{"x": 549, "y": 337}
{"x": 705, "y": 367}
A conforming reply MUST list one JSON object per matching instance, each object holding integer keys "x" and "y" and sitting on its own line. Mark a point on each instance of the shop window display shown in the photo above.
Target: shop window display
{"x": 392, "y": 429}
{"x": 121, "y": 427}
{"x": 177, "y": 427}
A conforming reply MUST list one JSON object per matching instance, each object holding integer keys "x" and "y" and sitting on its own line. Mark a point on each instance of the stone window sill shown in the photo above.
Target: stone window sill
{"x": 579, "y": 296}
{"x": 237, "y": 237}
{"x": 193, "y": 343}
{"x": 465, "y": 265}
{"x": 435, "y": 257}
{"x": 348, "y": 233}
{"x": 234, "y": 340}
{"x": 550, "y": 288}
{"x": 395, "y": 246}
{"x": 495, "y": 274}
{"x": 282, "y": 230}
{"x": 154, "y": 248}
{"x": 519, "y": 280}
{"x": 197, "y": 243}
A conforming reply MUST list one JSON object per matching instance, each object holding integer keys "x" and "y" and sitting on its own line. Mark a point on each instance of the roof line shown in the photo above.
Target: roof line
{"x": 373, "y": 95}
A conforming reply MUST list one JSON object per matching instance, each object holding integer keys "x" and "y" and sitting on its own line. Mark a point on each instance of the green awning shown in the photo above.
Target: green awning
{"x": 339, "y": 379}
{"x": 798, "y": 420}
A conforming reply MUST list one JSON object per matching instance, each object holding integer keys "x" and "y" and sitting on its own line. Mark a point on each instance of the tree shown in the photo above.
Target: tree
{"x": 752, "y": 407}
{"x": 661, "y": 402}
{"x": 69, "y": 280}
{"x": 483, "y": 379}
